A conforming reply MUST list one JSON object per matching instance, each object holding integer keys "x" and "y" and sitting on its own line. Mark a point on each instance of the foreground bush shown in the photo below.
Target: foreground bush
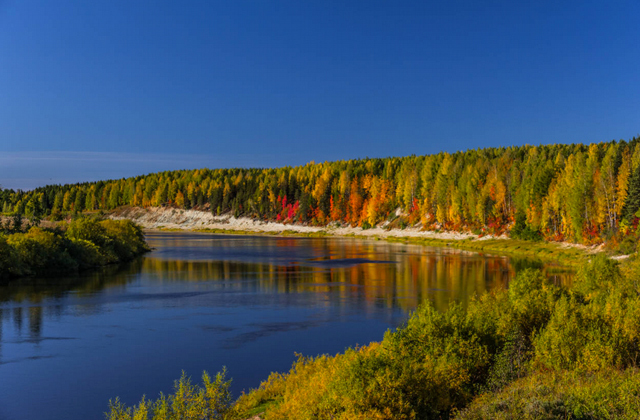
{"x": 597, "y": 326}
{"x": 535, "y": 351}
{"x": 427, "y": 369}
{"x": 211, "y": 401}
{"x": 608, "y": 394}
{"x": 83, "y": 244}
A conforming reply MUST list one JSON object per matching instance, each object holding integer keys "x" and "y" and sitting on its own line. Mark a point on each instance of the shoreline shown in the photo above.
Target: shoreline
{"x": 169, "y": 219}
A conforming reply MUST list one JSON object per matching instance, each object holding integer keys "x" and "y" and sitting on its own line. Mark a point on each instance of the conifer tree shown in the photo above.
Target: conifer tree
{"x": 632, "y": 204}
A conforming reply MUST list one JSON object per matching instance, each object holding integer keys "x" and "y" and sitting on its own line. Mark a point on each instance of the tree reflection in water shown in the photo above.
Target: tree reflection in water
{"x": 354, "y": 274}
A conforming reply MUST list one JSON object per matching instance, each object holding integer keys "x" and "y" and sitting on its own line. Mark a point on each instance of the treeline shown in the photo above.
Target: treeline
{"x": 576, "y": 192}
{"x": 82, "y": 244}
{"x": 534, "y": 351}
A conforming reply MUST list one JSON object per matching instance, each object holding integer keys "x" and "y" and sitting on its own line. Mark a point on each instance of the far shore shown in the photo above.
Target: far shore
{"x": 169, "y": 219}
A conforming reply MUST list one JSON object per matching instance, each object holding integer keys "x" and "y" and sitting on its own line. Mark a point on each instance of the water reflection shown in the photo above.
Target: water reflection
{"x": 352, "y": 272}
{"x": 392, "y": 275}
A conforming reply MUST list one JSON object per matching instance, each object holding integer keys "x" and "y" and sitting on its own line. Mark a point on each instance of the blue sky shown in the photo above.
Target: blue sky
{"x": 105, "y": 89}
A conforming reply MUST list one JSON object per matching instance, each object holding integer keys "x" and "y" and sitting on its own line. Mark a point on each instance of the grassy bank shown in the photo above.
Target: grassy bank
{"x": 78, "y": 245}
{"x": 536, "y": 350}
{"x": 543, "y": 251}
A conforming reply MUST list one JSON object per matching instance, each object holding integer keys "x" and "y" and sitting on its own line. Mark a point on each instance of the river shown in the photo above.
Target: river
{"x": 199, "y": 302}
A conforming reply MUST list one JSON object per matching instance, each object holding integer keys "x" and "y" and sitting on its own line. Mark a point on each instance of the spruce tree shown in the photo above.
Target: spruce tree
{"x": 632, "y": 203}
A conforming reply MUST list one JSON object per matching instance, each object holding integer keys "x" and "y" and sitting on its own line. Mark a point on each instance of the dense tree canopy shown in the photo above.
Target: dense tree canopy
{"x": 576, "y": 192}
{"x": 81, "y": 244}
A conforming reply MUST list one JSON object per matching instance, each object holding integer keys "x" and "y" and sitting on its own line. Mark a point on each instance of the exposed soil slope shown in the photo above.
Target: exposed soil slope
{"x": 170, "y": 218}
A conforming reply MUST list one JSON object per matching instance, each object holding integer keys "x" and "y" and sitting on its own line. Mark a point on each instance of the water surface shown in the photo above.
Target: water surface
{"x": 199, "y": 302}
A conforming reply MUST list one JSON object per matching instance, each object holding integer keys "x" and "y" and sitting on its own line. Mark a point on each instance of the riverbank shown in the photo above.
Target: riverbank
{"x": 160, "y": 218}
{"x": 81, "y": 244}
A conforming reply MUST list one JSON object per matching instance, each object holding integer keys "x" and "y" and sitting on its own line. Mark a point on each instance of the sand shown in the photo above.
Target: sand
{"x": 170, "y": 218}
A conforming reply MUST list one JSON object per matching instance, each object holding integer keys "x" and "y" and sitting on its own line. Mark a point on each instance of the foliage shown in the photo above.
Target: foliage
{"x": 9, "y": 262}
{"x": 511, "y": 363}
{"x": 532, "y": 299}
{"x": 579, "y": 193}
{"x": 211, "y": 401}
{"x": 597, "y": 326}
{"x": 39, "y": 250}
{"x": 632, "y": 204}
{"x": 610, "y": 394}
{"x": 85, "y": 243}
{"x": 522, "y": 230}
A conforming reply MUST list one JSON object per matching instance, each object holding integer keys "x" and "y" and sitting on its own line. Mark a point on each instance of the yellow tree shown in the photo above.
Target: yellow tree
{"x": 355, "y": 202}
{"x": 441, "y": 188}
{"x": 427, "y": 177}
{"x": 322, "y": 183}
{"x": 605, "y": 182}
{"x": 66, "y": 201}
{"x": 180, "y": 199}
{"x": 622, "y": 181}
{"x": 498, "y": 194}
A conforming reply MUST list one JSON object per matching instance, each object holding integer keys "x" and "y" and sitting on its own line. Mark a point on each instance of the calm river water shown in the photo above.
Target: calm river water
{"x": 199, "y": 302}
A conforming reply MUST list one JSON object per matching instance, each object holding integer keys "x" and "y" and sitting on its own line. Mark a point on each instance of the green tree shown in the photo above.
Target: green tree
{"x": 632, "y": 203}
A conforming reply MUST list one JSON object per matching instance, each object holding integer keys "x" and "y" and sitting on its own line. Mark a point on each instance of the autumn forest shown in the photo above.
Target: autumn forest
{"x": 579, "y": 193}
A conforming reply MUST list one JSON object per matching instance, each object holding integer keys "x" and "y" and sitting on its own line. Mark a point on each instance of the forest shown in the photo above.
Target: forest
{"x": 579, "y": 193}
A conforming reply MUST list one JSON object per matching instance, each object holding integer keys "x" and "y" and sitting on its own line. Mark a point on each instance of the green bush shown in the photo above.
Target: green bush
{"x": 611, "y": 394}
{"x": 88, "y": 229}
{"x": 39, "y": 250}
{"x": 597, "y": 326}
{"x": 85, "y": 243}
{"x": 426, "y": 369}
{"x": 126, "y": 238}
{"x": 210, "y": 401}
{"x": 86, "y": 253}
{"x": 9, "y": 262}
{"x": 117, "y": 240}
{"x": 532, "y": 297}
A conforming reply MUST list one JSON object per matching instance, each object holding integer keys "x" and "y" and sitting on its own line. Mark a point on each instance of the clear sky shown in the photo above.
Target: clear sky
{"x": 105, "y": 89}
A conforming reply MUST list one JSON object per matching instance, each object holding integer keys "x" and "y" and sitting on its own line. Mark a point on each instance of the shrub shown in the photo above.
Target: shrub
{"x": 86, "y": 253}
{"x": 597, "y": 326}
{"x": 511, "y": 363}
{"x": 532, "y": 297}
{"x": 425, "y": 369}
{"x": 9, "y": 262}
{"x": 39, "y": 250}
{"x": 210, "y": 401}
{"x": 85, "y": 243}
{"x": 126, "y": 238}
{"x": 117, "y": 240}
{"x": 88, "y": 229}
{"x": 611, "y": 394}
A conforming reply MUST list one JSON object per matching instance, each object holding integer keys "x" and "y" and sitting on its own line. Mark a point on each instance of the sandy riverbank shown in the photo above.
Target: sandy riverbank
{"x": 168, "y": 218}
